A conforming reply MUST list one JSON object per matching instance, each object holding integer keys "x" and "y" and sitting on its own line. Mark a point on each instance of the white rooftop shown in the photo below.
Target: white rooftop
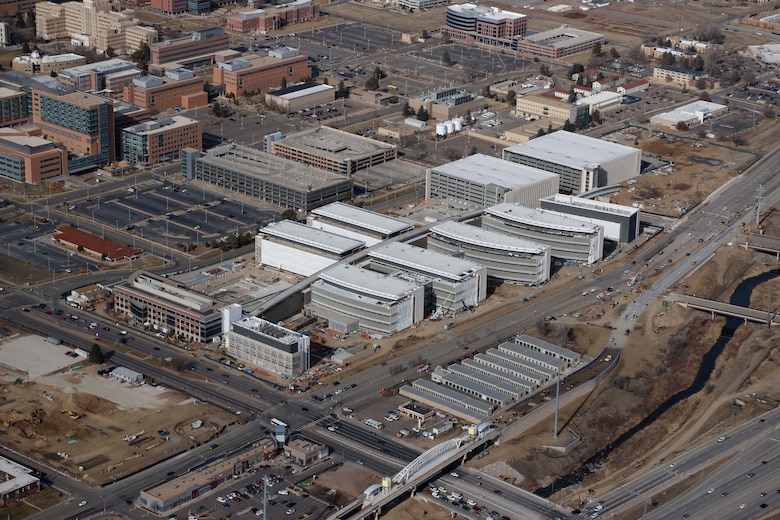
{"x": 571, "y": 150}
{"x": 689, "y": 111}
{"x": 363, "y": 218}
{"x": 163, "y": 124}
{"x": 21, "y": 476}
{"x": 601, "y": 97}
{"x": 540, "y": 218}
{"x": 592, "y": 205}
{"x": 486, "y": 238}
{"x": 424, "y": 260}
{"x": 368, "y": 282}
{"x": 307, "y": 91}
{"x": 493, "y": 171}
{"x": 309, "y": 236}
{"x": 484, "y": 12}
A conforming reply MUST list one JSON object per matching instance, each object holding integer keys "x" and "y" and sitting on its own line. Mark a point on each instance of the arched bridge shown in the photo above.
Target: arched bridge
{"x": 428, "y": 457}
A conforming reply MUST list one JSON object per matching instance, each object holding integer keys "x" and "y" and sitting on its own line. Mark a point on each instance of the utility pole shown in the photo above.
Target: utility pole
{"x": 759, "y": 197}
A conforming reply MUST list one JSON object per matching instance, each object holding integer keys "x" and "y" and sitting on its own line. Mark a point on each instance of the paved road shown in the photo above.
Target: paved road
{"x": 745, "y": 447}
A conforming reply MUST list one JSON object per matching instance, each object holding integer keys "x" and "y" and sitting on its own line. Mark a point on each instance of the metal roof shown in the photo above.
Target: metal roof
{"x": 363, "y": 218}
{"x": 593, "y": 205}
{"x": 302, "y": 234}
{"x": 547, "y": 346}
{"x": 571, "y": 150}
{"x": 486, "y": 238}
{"x": 490, "y": 170}
{"x": 368, "y": 282}
{"x": 540, "y": 218}
{"x": 425, "y": 260}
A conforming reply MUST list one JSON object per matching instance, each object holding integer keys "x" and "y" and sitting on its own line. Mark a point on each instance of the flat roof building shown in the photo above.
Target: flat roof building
{"x": 83, "y": 123}
{"x": 301, "y": 249}
{"x": 266, "y": 177}
{"x": 447, "y": 400}
{"x": 333, "y": 150}
{"x": 484, "y": 24}
{"x": 584, "y": 163}
{"x": 358, "y": 223}
{"x": 568, "y": 239}
{"x": 304, "y": 452}
{"x": 37, "y": 64}
{"x": 453, "y": 284}
{"x": 30, "y": 159}
{"x": 350, "y": 298}
{"x": 14, "y": 107}
{"x": 16, "y": 482}
{"x": 695, "y": 113}
{"x": 483, "y": 180}
{"x": 154, "y": 300}
{"x": 546, "y": 106}
{"x": 620, "y": 223}
{"x": 297, "y": 97}
{"x": 269, "y": 347}
{"x": 179, "y": 88}
{"x": 506, "y": 258}
{"x": 261, "y": 74}
{"x": 447, "y": 102}
{"x": 204, "y": 480}
{"x": 92, "y": 77}
{"x": 149, "y": 143}
{"x": 560, "y": 42}
{"x": 273, "y": 17}
{"x": 126, "y": 375}
{"x": 202, "y": 42}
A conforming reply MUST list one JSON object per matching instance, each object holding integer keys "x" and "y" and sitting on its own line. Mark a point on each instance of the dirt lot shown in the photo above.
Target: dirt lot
{"x": 37, "y": 420}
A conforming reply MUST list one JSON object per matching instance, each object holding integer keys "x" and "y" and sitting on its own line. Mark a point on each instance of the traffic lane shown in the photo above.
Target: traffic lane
{"x": 371, "y": 440}
{"x": 509, "y": 501}
{"x": 345, "y": 450}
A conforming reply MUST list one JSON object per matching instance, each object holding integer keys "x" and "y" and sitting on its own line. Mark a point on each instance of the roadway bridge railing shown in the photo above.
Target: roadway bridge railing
{"x": 724, "y": 309}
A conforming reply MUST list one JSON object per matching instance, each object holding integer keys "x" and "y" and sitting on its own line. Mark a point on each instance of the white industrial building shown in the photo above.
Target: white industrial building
{"x": 269, "y": 346}
{"x": 601, "y": 101}
{"x": 568, "y": 238}
{"x": 452, "y": 284}
{"x": 447, "y": 400}
{"x": 694, "y": 113}
{"x": 485, "y": 181}
{"x": 126, "y": 375}
{"x": 620, "y": 223}
{"x": 352, "y": 298}
{"x": 297, "y": 248}
{"x": 507, "y": 258}
{"x": 583, "y": 163}
{"x": 361, "y": 224}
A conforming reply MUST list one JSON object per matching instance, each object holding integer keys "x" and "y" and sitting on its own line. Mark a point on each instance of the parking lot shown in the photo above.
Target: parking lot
{"x": 245, "y": 498}
{"x": 173, "y": 214}
{"x": 28, "y": 243}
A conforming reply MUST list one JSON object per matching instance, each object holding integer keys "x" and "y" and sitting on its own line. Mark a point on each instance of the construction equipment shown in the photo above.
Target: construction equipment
{"x": 73, "y": 415}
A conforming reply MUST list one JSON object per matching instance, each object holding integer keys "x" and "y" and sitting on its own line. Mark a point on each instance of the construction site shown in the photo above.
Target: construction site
{"x": 80, "y": 422}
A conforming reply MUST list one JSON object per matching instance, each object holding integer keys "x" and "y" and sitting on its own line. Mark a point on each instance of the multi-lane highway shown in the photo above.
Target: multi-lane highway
{"x": 752, "y": 466}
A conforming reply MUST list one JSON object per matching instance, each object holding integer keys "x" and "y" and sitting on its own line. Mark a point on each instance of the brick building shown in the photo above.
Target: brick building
{"x": 261, "y": 74}
{"x": 180, "y": 88}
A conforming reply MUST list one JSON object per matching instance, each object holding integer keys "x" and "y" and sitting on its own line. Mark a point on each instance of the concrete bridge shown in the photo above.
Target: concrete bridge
{"x": 724, "y": 309}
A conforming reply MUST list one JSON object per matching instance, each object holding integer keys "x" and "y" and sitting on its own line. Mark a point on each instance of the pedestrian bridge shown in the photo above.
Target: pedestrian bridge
{"x": 431, "y": 456}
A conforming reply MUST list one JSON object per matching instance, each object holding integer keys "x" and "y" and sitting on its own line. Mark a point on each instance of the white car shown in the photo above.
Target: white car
{"x": 470, "y": 502}
{"x": 284, "y": 492}
{"x": 742, "y": 506}
{"x": 259, "y": 512}
{"x": 711, "y": 491}
{"x": 289, "y": 511}
{"x": 123, "y": 332}
{"x": 82, "y": 503}
{"x": 221, "y": 500}
{"x": 454, "y": 474}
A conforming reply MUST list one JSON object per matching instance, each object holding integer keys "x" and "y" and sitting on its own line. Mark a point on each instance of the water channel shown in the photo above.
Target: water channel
{"x": 740, "y": 296}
